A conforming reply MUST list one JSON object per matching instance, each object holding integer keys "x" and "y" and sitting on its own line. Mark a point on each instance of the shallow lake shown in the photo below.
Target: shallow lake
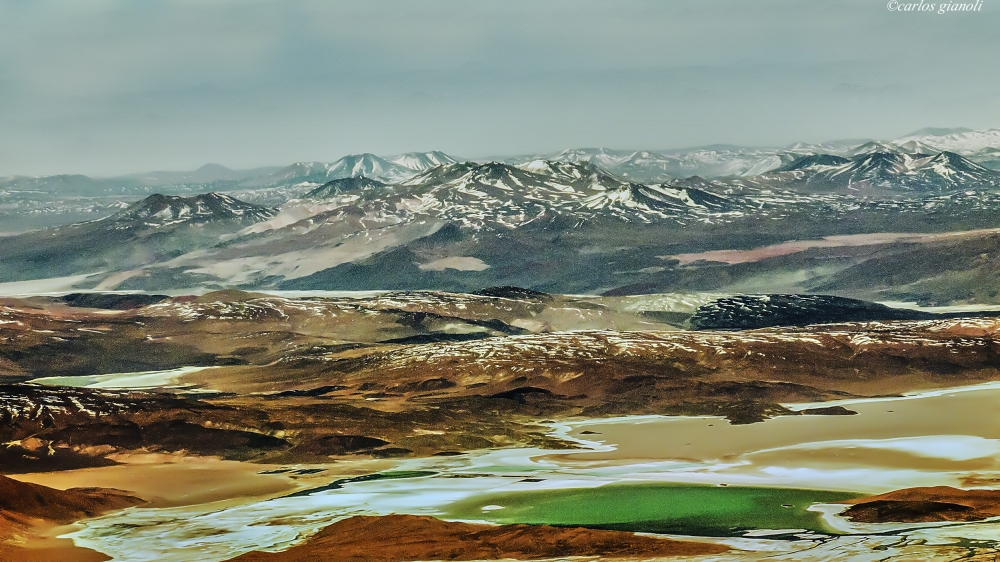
{"x": 644, "y": 473}
{"x": 656, "y": 508}
{"x": 168, "y": 378}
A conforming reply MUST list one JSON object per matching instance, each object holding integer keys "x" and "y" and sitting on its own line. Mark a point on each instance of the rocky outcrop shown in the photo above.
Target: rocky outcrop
{"x": 925, "y": 505}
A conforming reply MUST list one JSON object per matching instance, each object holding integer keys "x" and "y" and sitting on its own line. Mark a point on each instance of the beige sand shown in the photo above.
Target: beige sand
{"x": 170, "y": 480}
{"x": 796, "y": 246}
{"x": 957, "y": 434}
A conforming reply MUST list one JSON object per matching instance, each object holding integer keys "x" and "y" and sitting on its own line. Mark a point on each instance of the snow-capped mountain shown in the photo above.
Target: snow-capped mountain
{"x": 889, "y": 171}
{"x": 420, "y": 161}
{"x": 913, "y": 147}
{"x": 494, "y": 193}
{"x": 166, "y": 210}
{"x": 367, "y": 165}
{"x": 474, "y": 194}
{"x": 817, "y": 162}
{"x": 964, "y": 142}
{"x": 603, "y": 157}
{"x": 720, "y": 162}
{"x": 311, "y": 174}
{"x": 500, "y": 223}
{"x": 645, "y": 166}
{"x": 578, "y": 175}
{"x": 156, "y": 229}
{"x": 653, "y": 167}
{"x": 649, "y": 203}
{"x": 732, "y": 161}
{"x": 317, "y": 173}
{"x": 345, "y": 185}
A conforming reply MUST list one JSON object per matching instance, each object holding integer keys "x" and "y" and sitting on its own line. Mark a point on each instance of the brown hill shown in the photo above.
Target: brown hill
{"x": 399, "y": 538}
{"x": 923, "y": 505}
{"x": 27, "y": 511}
{"x": 59, "y": 506}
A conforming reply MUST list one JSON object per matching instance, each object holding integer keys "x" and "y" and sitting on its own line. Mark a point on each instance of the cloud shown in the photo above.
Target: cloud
{"x": 106, "y": 87}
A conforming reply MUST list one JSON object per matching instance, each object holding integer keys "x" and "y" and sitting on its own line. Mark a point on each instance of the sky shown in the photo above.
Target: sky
{"x": 104, "y": 87}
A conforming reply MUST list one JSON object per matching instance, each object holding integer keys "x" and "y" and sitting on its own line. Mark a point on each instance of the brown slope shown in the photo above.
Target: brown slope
{"x": 955, "y": 268}
{"x": 59, "y": 506}
{"x": 399, "y": 538}
{"x": 923, "y": 505}
{"x": 29, "y": 511}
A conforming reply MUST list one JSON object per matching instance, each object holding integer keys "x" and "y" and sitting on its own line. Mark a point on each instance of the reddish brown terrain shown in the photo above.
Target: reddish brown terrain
{"x": 310, "y": 380}
{"x": 422, "y": 373}
{"x": 401, "y": 538}
{"x": 29, "y": 511}
{"x": 924, "y": 505}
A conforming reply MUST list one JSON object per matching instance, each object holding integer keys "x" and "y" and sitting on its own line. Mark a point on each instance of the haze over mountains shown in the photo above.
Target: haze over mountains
{"x": 638, "y": 165}
{"x": 908, "y": 219}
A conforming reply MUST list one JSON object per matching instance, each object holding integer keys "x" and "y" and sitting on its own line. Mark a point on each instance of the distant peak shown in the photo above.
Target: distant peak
{"x": 164, "y": 210}
{"x": 420, "y": 161}
{"x": 938, "y": 131}
{"x": 214, "y": 168}
{"x": 342, "y": 185}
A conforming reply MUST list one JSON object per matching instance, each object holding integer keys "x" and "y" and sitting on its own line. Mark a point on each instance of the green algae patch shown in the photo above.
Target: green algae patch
{"x": 656, "y": 508}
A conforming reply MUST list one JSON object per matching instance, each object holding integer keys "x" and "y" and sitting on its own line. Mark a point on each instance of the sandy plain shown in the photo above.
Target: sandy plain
{"x": 938, "y": 437}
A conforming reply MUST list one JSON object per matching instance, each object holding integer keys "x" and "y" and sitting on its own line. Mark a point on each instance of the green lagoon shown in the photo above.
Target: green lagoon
{"x": 656, "y": 508}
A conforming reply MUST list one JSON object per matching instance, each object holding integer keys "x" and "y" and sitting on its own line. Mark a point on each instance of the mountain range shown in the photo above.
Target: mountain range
{"x": 889, "y": 171}
{"x": 875, "y": 220}
{"x": 158, "y": 228}
{"x": 643, "y": 166}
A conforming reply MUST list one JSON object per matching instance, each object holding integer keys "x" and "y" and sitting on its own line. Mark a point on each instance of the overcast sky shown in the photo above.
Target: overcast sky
{"x": 105, "y": 87}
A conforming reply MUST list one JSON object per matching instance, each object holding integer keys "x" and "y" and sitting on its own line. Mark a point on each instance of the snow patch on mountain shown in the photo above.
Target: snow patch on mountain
{"x": 158, "y": 211}
{"x": 964, "y": 143}
{"x": 420, "y": 161}
{"x": 890, "y": 170}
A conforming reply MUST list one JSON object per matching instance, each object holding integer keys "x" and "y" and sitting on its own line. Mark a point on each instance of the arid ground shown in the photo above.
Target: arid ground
{"x": 234, "y": 422}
